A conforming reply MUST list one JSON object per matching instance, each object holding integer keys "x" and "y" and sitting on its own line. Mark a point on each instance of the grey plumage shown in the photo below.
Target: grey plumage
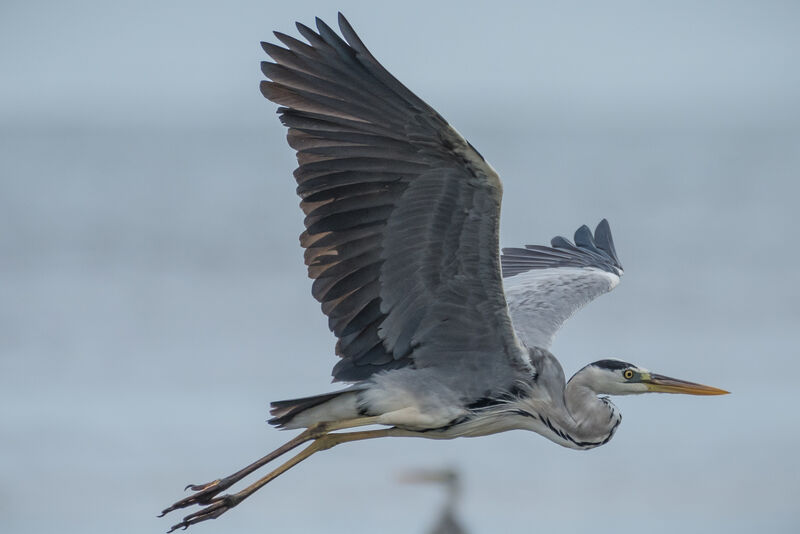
{"x": 402, "y": 217}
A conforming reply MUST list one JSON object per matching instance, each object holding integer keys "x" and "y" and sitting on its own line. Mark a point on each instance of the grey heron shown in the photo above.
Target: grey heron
{"x": 439, "y": 335}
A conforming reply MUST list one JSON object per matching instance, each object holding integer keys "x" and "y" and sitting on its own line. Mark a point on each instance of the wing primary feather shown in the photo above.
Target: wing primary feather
{"x": 605, "y": 242}
{"x": 584, "y": 238}
{"x": 590, "y": 251}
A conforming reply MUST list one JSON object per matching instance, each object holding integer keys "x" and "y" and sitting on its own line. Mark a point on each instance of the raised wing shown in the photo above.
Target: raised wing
{"x": 402, "y": 218}
{"x": 545, "y": 285}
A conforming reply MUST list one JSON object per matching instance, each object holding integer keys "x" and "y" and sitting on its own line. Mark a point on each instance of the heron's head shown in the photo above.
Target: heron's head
{"x": 615, "y": 377}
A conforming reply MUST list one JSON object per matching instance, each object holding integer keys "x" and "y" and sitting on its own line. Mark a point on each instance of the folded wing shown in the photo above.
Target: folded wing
{"x": 544, "y": 286}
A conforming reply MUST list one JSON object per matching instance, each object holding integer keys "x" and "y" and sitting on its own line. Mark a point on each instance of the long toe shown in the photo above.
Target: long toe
{"x": 220, "y": 505}
{"x": 205, "y": 494}
{"x": 201, "y": 487}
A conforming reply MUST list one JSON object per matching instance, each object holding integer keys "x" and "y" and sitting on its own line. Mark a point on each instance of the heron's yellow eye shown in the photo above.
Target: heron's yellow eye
{"x": 628, "y": 374}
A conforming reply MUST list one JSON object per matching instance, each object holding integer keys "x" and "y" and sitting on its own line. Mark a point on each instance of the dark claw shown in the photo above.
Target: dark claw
{"x": 206, "y": 494}
{"x": 201, "y": 487}
{"x": 219, "y": 506}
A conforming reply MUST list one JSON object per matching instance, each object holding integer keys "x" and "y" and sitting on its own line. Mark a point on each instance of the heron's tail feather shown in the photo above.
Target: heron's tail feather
{"x": 314, "y": 409}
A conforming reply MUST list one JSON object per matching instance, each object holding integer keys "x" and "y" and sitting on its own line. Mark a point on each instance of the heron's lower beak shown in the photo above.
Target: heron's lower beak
{"x": 665, "y": 384}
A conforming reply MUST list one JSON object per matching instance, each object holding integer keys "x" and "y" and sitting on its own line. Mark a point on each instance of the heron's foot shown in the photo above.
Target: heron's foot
{"x": 216, "y": 508}
{"x": 205, "y": 494}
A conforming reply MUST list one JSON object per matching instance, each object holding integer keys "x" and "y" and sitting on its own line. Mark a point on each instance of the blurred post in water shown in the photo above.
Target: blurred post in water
{"x": 446, "y": 522}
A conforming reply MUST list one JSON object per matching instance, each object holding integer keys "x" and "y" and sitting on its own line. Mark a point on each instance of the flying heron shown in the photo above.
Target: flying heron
{"x": 440, "y": 336}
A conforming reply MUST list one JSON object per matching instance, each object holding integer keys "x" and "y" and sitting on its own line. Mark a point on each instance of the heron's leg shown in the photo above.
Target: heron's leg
{"x": 205, "y": 493}
{"x": 221, "y": 504}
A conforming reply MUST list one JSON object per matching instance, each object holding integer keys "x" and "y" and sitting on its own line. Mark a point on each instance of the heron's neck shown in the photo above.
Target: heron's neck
{"x": 595, "y": 418}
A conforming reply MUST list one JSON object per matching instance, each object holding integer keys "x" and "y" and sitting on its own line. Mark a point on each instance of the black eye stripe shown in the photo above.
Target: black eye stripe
{"x": 611, "y": 365}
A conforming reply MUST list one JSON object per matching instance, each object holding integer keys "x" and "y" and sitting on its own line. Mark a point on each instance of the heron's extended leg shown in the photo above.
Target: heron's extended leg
{"x": 221, "y": 504}
{"x": 205, "y": 493}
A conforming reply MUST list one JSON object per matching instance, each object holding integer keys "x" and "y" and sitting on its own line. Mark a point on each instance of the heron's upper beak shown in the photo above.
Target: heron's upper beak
{"x": 665, "y": 384}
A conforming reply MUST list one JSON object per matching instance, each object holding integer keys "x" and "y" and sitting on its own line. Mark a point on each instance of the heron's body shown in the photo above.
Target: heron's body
{"x": 402, "y": 222}
{"x": 569, "y": 414}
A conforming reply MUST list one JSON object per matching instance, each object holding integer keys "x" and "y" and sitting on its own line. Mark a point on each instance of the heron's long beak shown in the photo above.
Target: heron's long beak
{"x": 665, "y": 384}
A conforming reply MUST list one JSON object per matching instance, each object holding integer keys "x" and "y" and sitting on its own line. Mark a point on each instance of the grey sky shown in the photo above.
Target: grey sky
{"x": 196, "y": 62}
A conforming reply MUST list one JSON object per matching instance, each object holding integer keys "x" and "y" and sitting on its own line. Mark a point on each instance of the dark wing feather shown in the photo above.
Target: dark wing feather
{"x": 588, "y": 251}
{"x": 402, "y": 218}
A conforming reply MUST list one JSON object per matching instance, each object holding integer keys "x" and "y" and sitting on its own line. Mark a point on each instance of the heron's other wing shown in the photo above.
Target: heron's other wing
{"x": 402, "y": 218}
{"x": 544, "y": 286}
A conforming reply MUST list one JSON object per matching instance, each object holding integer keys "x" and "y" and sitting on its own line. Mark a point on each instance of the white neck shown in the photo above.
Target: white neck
{"x": 594, "y": 418}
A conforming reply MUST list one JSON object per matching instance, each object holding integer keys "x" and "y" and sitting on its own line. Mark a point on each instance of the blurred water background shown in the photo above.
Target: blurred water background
{"x": 153, "y": 298}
